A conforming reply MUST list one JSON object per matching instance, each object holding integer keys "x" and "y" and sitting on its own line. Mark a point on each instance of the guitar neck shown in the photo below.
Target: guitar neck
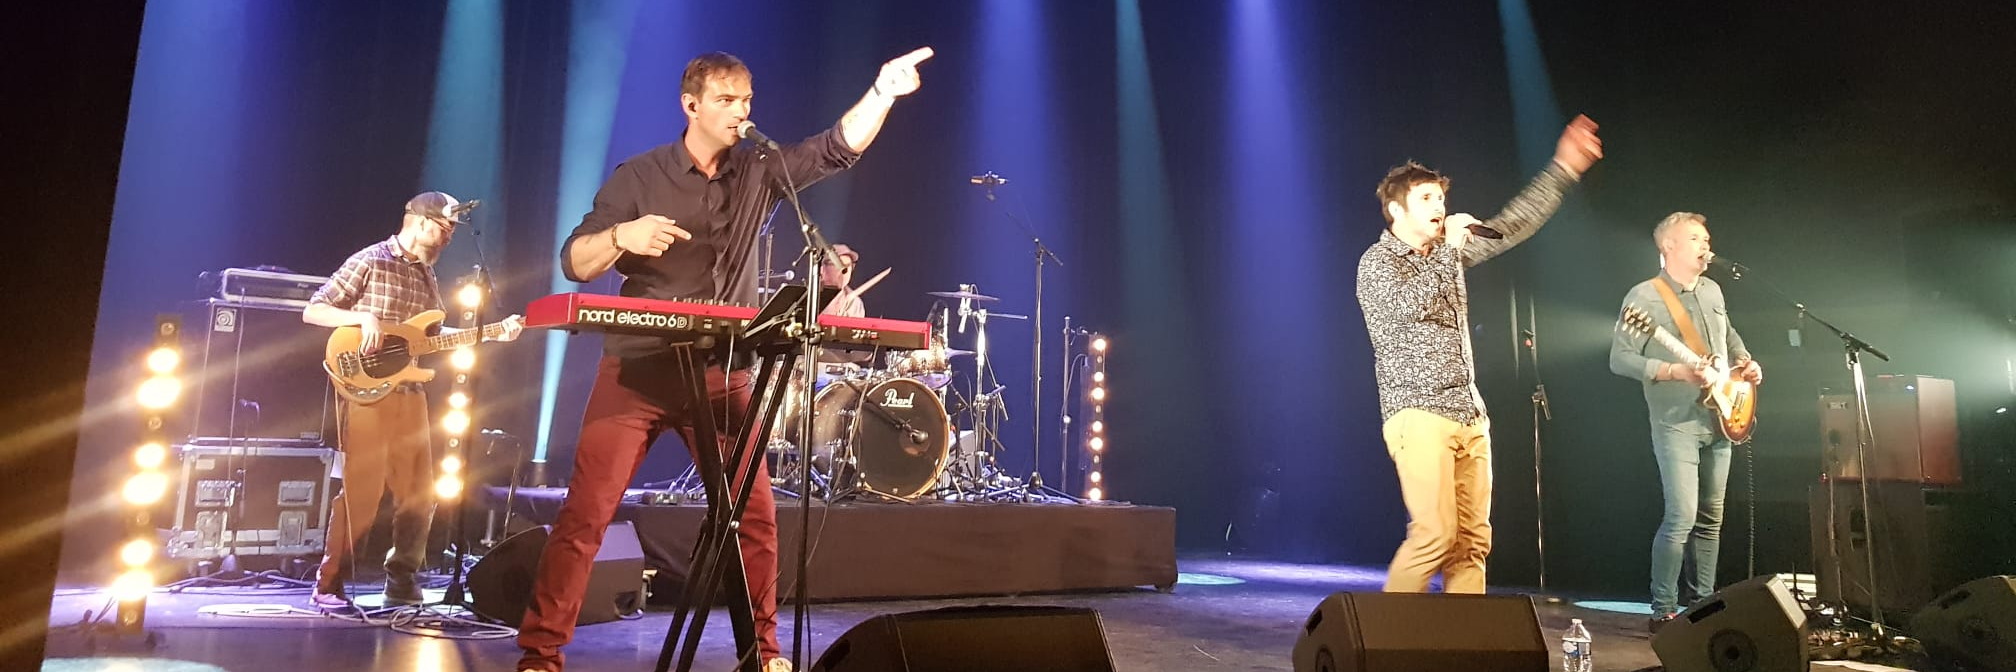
{"x": 464, "y": 337}
{"x": 1678, "y": 347}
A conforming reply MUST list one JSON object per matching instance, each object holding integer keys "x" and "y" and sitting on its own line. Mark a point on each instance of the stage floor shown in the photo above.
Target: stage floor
{"x": 1225, "y": 615}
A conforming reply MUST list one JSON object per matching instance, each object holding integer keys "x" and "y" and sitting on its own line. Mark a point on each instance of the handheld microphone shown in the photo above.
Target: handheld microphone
{"x": 1482, "y": 231}
{"x": 747, "y": 130}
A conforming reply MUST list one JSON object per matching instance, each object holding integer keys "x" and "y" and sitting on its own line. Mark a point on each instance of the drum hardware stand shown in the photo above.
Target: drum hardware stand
{"x": 1852, "y": 348}
{"x": 1071, "y": 371}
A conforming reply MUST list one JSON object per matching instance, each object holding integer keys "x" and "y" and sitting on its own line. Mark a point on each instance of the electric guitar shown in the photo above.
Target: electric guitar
{"x": 1733, "y": 399}
{"x": 367, "y": 379}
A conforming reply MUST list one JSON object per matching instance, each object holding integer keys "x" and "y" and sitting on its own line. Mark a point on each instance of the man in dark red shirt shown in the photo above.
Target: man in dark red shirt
{"x": 680, "y": 222}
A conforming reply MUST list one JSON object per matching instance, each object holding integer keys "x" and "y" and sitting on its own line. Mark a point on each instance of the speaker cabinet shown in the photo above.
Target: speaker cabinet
{"x": 258, "y": 377}
{"x": 501, "y": 583}
{"x": 1422, "y": 632}
{"x": 1974, "y": 625}
{"x": 1753, "y": 626}
{"x": 1916, "y": 432}
{"x": 973, "y": 639}
{"x": 1926, "y": 540}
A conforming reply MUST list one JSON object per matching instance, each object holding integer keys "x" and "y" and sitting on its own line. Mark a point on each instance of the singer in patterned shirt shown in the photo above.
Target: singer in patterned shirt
{"x": 1411, "y": 289}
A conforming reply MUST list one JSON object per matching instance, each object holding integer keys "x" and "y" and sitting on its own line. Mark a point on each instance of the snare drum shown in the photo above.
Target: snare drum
{"x": 930, "y": 366}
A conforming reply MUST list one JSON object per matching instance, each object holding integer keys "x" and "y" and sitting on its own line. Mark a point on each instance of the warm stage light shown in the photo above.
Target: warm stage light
{"x": 1095, "y": 494}
{"x": 463, "y": 359}
{"x": 1095, "y": 477}
{"x": 137, "y": 553}
{"x": 150, "y": 455}
{"x": 470, "y": 295}
{"x": 458, "y": 400}
{"x": 1098, "y": 426}
{"x": 146, "y": 488}
{"x": 448, "y": 487}
{"x": 159, "y": 392}
{"x": 1099, "y": 344}
{"x": 133, "y": 585}
{"x": 1096, "y": 444}
{"x": 451, "y": 465}
{"x": 1098, "y": 394}
{"x": 1098, "y": 376}
{"x": 456, "y": 422}
{"x": 163, "y": 360}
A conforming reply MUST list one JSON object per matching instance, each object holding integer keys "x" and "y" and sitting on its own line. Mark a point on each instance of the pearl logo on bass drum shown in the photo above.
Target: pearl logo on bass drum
{"x": 890, "y": 400}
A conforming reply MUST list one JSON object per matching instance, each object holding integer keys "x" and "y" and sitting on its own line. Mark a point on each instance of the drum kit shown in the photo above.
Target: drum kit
{"x": 892, "y": 432}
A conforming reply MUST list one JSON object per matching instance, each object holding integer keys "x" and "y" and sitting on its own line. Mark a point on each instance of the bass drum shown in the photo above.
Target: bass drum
{"x": 896, "y": 430}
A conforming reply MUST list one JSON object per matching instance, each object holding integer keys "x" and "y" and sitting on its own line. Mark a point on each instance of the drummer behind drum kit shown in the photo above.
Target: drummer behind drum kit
{"x": 886, "y": 433}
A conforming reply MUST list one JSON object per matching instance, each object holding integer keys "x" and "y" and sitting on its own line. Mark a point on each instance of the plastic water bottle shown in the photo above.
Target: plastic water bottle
{"x": 1577, "y": 653}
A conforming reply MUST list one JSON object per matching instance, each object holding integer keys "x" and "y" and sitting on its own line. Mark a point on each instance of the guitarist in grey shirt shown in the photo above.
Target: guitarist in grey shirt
{"x": 1687, "y": 442}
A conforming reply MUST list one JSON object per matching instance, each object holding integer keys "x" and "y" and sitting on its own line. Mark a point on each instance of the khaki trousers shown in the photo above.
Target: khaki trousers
{"x": 387, "y": 445}
{"x": 1445, "y": 480}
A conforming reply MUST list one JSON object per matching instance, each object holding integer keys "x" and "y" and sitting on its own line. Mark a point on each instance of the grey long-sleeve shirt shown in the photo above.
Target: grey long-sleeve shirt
{"x": 1675, "y": 403}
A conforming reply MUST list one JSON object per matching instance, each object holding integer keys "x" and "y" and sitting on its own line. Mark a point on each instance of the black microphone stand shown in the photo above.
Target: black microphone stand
{"x": 817, "y": 251}
{"x": 1034, "y": 489}
{"x": 1852, "y": 348}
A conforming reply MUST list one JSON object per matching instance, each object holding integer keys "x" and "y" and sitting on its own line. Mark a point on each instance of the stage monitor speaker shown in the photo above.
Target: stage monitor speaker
{"x": 1973, "y": 627}
{"x": 501, "y": 583}
{"x": 973, "y": 639}
{"x": 1753, "y": 626}
{"x": 1916, "y": 425}
{"x": 1422, "y": 632}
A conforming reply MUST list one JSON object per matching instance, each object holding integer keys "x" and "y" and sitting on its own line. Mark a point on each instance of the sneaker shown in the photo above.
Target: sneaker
{"x": 402, "y": 590}
{"x": 777, "y": 665}
{"x": 328, "y": 602}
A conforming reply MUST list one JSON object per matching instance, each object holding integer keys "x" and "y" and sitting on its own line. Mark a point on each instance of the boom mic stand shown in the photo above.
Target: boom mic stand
{"x": 1034, "y": 489}
{"x": 1852, "y": 348}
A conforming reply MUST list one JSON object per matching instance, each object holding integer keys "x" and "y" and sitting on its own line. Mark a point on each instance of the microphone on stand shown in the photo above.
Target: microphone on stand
{"x": 1736, "y": 270}
{"x": 786, "y": 276}
{"x": 965, "y": 307}
{"x": 988, "y": 179}
{"x": 458, "y": 210}
{"x": 747, "y": 130}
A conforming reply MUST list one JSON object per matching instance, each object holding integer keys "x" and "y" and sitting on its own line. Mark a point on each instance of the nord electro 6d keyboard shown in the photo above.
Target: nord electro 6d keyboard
{"x": 689, "y": 319}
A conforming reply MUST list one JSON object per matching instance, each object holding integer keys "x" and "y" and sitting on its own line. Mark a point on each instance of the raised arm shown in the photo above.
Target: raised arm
{"x": 861, "y": 123}
{"x": 1574, "y": 153}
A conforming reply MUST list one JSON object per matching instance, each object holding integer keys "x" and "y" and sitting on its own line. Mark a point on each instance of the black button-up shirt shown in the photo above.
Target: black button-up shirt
{"x": 1416, "y": 307}
{"x": 724, "y": 213}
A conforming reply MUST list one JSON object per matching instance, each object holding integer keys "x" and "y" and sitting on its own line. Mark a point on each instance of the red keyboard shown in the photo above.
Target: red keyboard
{"x": 690, "y": 319}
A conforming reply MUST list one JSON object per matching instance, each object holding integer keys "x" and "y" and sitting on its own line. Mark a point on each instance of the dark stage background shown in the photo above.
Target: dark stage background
{"x": 1205, "y": 172}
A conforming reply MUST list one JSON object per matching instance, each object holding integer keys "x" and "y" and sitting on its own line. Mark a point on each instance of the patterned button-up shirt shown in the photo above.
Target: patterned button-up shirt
{"x": 384, "y": 281}
{"x": 1416, "y": 307}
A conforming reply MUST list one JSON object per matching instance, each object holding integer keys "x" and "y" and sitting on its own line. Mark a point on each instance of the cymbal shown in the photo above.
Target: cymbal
{"x": 963, "y": 295}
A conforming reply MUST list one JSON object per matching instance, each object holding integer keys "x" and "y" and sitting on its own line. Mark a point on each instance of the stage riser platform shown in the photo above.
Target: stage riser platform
{"x": 867, "y": 551}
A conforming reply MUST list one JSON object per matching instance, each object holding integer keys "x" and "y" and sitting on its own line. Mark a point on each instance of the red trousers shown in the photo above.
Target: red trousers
{"x": 634, "y": 401}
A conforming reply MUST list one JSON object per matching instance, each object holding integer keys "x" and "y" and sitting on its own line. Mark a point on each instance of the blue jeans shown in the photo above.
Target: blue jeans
{"x": 1694, "y": 468}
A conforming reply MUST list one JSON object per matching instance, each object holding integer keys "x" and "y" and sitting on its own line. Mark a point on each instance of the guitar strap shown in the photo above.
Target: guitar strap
{"x": 1680, "y": 317}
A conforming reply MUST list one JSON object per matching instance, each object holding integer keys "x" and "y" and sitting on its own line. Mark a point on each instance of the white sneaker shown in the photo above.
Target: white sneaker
{"x": 777, "y": 665}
